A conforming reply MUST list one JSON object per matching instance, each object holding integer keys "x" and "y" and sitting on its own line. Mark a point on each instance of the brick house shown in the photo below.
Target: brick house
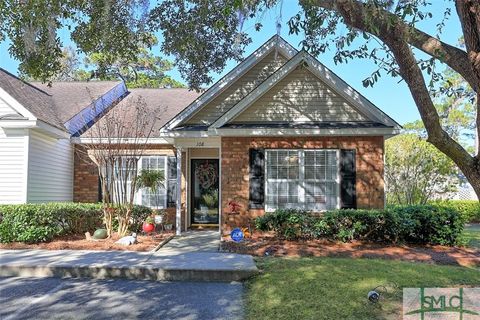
{"x": 278, "y": 131}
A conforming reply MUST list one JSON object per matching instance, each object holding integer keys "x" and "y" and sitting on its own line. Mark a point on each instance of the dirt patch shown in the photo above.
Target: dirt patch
{"x": 270, "y": 246}
{"x": 145, "y": 243}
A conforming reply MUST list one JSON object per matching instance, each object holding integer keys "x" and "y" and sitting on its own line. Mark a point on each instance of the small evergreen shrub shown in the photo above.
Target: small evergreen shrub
{"x": 469, "y": 209}
{"x": 411, "y": 224}
{"x": 33, "y": 223}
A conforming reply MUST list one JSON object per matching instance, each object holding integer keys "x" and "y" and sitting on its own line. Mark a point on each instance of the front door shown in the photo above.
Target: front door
{"x": 204, "y": 191}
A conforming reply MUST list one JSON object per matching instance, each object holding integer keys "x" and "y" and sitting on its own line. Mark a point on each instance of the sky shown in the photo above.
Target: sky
{"x": 389, "y": 94}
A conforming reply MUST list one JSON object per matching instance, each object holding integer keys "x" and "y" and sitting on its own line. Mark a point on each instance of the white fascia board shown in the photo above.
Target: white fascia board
{"x": 187, "y": 134}
{"x": 35, "y": 124}
{"x": 259, "y": 91}
{"x": 275, "y": 42}
{"x": 273, "y": 132}
{"x": 83, "y": 140}
{"x": 17, "y": 106}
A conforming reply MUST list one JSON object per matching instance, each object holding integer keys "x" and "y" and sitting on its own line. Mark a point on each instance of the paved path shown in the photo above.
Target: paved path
{"x": 193, "y": 257}
{"x": 193, "y": 241}
{"x": 52, "y": 298}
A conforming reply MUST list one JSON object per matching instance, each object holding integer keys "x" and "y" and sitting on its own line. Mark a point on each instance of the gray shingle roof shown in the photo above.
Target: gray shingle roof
{"x": 57, "y": 104}
{"x": 71, "y": 97}
{"x": 35, "y": 100}
{"x": 162, "y": 104}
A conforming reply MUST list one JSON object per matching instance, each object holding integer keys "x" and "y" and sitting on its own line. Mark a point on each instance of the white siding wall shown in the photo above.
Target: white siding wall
{"x": 13, "y": 165}
{"x": 50, "y": 173}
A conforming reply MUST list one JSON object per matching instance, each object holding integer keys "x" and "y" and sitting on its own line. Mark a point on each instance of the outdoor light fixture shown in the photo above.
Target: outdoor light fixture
{"x": 373, "y": 296}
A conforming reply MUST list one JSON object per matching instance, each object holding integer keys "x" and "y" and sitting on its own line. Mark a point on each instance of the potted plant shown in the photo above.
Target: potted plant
{"x": 148, "y": 225}
{"x": 152, "y": 180}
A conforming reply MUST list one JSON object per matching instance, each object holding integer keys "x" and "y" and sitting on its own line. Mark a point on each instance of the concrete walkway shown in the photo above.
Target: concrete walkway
{"x": 179, "y": 260}
{"x": 193, "y": 241}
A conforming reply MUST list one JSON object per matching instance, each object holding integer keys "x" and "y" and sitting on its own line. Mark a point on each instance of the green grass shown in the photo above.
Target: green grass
{"x": 336, "y": 288}
{"x": 471, "y": 235}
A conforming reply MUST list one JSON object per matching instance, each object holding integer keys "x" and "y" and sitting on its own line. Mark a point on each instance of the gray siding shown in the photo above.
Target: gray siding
{"x": 237, "y": 91}
{"x": 300, "y": 97}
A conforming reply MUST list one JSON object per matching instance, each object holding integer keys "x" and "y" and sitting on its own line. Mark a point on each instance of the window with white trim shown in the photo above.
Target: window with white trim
{"x": 146, "y": 197}
{"x": 305, "y": 179}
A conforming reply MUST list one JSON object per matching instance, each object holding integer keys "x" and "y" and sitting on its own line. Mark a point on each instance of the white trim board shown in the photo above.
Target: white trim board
{"x": 15, "y": 105}
{"x": 324, "y": 74}
{"x": 276, "y": 42}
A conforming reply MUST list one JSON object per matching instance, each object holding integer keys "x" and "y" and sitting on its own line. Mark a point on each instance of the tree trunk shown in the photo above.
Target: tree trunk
{"x": 398, "y": 36}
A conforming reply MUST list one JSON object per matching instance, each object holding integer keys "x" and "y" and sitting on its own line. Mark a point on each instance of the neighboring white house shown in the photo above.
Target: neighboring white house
{"x": 36, "y": 156}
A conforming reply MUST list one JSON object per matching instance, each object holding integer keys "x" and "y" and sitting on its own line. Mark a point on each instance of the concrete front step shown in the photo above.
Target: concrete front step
{"x": 193, "y": 266}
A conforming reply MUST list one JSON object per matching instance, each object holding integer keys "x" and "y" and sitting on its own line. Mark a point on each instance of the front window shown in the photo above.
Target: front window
{"x": 304, "y": 179}
{"x": 148, "y": 198}
{"x": 166, "y": 193}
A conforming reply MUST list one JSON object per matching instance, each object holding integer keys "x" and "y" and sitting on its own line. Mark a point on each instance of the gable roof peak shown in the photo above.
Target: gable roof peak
{"x": 276, "y": 42}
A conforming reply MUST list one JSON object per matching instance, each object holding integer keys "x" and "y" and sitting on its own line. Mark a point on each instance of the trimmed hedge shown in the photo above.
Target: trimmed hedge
{"x": 413, "y": 224}
{"x": 469, "y": 209}
{"x": 34, "y": 223}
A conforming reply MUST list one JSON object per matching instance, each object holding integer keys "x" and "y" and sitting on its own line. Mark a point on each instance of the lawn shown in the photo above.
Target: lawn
{"x": 336, "y": 288}
{"x": 472, "y": 235}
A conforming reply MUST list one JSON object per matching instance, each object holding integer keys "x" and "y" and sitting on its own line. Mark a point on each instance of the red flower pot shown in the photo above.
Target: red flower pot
{"x": 148, "y": 227}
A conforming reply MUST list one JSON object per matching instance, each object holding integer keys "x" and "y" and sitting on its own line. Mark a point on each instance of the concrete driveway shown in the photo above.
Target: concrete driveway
{"x": 52, "y": 298}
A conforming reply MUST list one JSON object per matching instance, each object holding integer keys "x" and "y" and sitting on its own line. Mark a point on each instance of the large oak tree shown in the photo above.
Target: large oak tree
{"x": 203, "y": 35}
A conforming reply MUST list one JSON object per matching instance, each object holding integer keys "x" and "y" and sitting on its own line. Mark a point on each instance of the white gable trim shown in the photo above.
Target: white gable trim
{"x": 15, "y": 105}
{"x": 275, "y": 42}
{"x": 289, "y": 132}
{"x": 34, "y": 124}
{"x": 327, "y": 76}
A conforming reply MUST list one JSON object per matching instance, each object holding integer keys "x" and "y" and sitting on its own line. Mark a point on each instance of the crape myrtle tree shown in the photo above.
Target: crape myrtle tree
{"x": 416, "y": 171}
{"x": 203, "y": 35}
{"x": 115, "y": 143}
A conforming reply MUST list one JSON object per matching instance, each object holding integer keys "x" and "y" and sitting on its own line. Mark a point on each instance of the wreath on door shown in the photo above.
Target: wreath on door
{"x": 206, "y": 174}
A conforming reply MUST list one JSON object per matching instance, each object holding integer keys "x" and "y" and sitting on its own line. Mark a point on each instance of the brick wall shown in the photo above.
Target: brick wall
{"x": 235, "y": 170}
{"x": 85, "y": 181}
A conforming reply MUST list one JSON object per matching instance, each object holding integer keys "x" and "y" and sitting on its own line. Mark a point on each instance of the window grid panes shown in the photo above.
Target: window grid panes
{"x": 148, "y": 198}
{"x": 305, "y": 179}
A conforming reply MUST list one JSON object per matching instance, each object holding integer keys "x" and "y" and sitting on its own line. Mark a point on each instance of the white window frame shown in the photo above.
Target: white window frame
{"x": 301, "y": 180}
{"x": 139, "y": 193}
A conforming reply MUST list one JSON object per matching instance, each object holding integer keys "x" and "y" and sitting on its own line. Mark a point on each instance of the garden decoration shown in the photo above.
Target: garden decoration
{"x": 100, "y": 234}
{"x": 149, "y": 225}
{"x": 128, "y": 240}
{"x": 234, "y": 206}
{"x": 237, "y": 235}
{"x": 207, "y": 175}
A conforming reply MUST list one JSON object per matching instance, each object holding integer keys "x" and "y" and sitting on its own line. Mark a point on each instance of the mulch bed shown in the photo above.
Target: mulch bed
{"x": 75, "y": 242}
{"x": 262, "y": 245}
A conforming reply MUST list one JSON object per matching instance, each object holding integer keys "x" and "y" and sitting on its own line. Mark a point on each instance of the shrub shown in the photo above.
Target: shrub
{"x": 469, "y": 209}
{"x": 410, "y": 224}
{"x": 286, "y": 223}
{"x": 34, "y": 223}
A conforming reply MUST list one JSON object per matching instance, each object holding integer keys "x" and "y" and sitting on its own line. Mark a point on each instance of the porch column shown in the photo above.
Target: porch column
{"x": 178, "y": 220}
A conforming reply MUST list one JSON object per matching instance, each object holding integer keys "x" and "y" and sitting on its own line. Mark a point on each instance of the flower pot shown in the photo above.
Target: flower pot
{"x": 148, "y": 227}
{"x": 168, "y": 226}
